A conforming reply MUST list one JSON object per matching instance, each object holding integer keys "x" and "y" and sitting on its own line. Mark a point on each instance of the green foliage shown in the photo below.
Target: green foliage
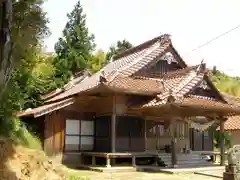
{"x": 226, "y": 137}
{"x": 117, "y": 48}
{"x": 29, "y": 27}
{"x": 98, "y": 61}
{"x": 75, "y": 177}
{"x": 74, "y": 49}
{"x": 21, "y": 135}
{"x": 226, "y": 84}
{"x": 14, "y": 129}
{"x": 30, "y": 80}
{"x": 25, "y": 87}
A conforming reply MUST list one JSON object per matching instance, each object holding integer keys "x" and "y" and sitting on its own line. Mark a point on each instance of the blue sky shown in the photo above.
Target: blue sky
{"x": 190, "y": 22}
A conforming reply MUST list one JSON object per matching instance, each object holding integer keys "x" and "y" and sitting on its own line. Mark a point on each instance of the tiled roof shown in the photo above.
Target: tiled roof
{"x": 233, "y": 122}
{"x": 178, "y": 84}
{"x": 73, "y": 81}
{"x": 41, "y": 110}
{"x": 204, "y": 103}
{"x": 126, "y": 64}
{"x": 138, "y": 85}
{"x": 233, "y": 100}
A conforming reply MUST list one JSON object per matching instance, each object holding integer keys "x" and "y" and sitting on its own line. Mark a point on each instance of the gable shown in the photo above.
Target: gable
{"x": 161, "y": 66}
{"x": 206, "y": 89}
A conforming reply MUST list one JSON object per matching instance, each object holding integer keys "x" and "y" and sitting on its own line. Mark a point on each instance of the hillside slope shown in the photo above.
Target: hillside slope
{"x": 19, "y": 163}
{"x": 225, "y": 83}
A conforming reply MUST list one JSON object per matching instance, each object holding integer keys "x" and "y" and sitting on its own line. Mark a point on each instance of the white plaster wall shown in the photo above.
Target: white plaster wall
{"x": 235, "y": 137}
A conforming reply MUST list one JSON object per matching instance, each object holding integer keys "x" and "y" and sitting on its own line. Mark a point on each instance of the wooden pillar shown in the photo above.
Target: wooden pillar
{"x": 173, "y": 144}
{"x": 133, "y": 161}
{"x": 108, "y": 162}
{"x": 113, "y": 126}
{"x": 145, "y": 134}
{"x": 222, "y": 144}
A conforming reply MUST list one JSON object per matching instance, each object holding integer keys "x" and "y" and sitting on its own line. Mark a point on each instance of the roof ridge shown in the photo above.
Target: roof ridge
{"x": 146, "y": 52}
{"x": 141, "y": 46}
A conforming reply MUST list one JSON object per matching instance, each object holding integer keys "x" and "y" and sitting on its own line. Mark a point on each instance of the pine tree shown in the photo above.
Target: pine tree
{"x": 75, "y": 48}
{"x": 119, "y": 47}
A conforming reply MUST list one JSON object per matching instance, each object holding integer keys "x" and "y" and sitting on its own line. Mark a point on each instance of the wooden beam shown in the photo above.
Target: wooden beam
{"x": 222, "y": 143}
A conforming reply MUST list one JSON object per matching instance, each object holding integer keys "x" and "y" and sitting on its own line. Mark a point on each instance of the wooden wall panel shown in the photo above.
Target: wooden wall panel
{"x": 54, "y": 133}
{"x": 208, "y": 141}
{"x": 103, "y": 134}
{"x": 201, "y": 142}
{"x": 48, "y": 142}
{"x": 130, "y": 134}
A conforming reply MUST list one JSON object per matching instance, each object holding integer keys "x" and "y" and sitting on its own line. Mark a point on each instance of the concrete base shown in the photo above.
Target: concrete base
{"x": 108, "y": 169}
{"x": 211, "y": 173}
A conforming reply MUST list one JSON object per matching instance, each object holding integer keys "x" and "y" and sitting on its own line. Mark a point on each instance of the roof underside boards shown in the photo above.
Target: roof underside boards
{"x": 124, "y": 66}
{"x": 45, "y": 109}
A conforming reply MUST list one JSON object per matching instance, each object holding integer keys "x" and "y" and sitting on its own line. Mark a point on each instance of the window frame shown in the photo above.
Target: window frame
{"x": 80, "y": 135}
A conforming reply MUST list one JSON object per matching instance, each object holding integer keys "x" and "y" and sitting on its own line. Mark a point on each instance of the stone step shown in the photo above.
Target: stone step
{"x": 182, "y": 158}
{"x": 189, "y": 162}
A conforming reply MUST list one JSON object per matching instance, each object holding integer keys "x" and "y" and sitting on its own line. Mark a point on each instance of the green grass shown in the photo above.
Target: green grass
{"x": 27, "y": 139}
{"x": 76, "y": 177}
{"x": 13, "y": 129}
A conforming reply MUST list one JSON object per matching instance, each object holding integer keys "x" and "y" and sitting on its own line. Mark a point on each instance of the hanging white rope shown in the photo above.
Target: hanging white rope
{"x": 199, "y": 125}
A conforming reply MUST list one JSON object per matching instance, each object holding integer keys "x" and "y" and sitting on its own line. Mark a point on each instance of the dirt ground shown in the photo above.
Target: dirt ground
{"x": 90, "y": 175}
{"x": 18, "y": 163}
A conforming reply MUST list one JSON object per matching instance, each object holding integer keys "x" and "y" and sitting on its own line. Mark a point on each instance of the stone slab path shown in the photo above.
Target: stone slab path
{"x": 214, "y": 173}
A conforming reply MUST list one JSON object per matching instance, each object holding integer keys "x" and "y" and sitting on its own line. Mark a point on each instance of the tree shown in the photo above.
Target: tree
{"x": 98, "y": 60}
{"x": 28, "y": 28}
{"x": 6, "y": 61}
{"x": 119, "y": 47}
{"x": 74, "y": 49}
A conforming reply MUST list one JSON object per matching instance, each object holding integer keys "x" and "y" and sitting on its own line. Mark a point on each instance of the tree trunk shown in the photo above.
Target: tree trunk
{"x": 6, "y": 64}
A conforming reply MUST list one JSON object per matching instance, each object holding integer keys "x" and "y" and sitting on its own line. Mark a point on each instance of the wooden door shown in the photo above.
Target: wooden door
{"x": 197, "y": 140}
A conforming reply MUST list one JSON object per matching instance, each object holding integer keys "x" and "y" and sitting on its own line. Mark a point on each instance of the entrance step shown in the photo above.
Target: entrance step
{"x": 186, "y": 159}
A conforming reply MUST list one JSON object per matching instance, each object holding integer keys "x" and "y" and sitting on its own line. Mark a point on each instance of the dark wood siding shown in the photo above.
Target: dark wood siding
{"x": 208, "y": 141}
{"x": 54, "y": 133}
{"x": 130, "y": 134}
{"x": 159, "y": 68}
{"x": 201, "y": 141}
{"x": 103, "y": 134}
